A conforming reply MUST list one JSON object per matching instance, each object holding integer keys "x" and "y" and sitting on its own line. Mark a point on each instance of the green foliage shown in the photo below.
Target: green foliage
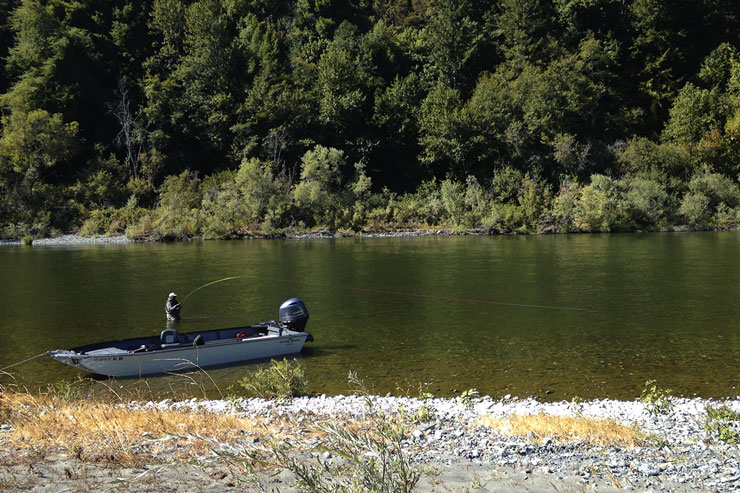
{"x": 425, "y": 414}
{"x": 468, "y": 398}
{"x": 70, "y": 391}
{"x": 225, "y": 119}
{"x": 600, "y": 206}
{"x": 281, "y": 380}
{"x": 110, "y": 221}
{"x": 320, "y": 177}
{"x": 647, "y": 202}
{"x": 723, "y": 424}
{"x": 655, "y": 399}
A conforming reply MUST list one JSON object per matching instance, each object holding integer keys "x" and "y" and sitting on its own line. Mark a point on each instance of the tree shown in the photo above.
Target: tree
{"x": 33, "y": 147}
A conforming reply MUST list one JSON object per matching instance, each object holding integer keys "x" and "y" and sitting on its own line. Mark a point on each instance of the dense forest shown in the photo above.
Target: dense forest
{"x": 225, "y": 118}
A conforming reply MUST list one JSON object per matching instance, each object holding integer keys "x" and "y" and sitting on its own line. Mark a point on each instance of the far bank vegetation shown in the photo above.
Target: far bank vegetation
{"x": 162, "y": 119}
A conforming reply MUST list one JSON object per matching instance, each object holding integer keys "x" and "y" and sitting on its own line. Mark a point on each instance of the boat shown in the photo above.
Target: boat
{"x": 172, "y": 351}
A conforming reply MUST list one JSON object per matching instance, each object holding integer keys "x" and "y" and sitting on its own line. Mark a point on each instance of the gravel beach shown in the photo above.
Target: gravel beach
{"x": 72, "y": 239}
{"x": 453, "y": 451}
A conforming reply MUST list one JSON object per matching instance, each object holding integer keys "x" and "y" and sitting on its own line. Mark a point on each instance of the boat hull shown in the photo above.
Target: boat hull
{"x": 121, "y": 363}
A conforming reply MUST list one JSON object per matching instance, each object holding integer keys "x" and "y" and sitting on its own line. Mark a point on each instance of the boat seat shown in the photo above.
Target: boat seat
{"x": 169, "y": 339}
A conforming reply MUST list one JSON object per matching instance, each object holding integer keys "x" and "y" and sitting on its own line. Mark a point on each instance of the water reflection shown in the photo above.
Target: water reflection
{"x": 657, "y": 306}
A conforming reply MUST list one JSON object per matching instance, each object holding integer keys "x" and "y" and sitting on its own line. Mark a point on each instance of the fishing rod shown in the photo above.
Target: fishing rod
{"x": 209, "y": 284}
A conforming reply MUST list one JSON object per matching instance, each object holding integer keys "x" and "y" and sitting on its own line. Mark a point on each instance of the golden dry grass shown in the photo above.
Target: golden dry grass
{"x": 567, "y": 429}
{"x": 110, "y": 431}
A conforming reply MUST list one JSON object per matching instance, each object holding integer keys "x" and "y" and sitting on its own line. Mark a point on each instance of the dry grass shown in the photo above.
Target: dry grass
{"x": 567, "y": 429}
{"x": 111, "y": 432}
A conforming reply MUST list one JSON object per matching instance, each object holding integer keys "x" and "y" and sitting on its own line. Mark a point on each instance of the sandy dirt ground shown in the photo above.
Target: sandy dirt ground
{"x": 58, "y": 473}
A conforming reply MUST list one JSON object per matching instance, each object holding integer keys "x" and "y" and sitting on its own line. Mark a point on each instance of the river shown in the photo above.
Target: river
{"x": 556, "y": 316}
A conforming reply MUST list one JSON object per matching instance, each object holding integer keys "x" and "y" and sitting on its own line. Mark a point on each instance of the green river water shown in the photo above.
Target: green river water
{"x": 554, "y": 316}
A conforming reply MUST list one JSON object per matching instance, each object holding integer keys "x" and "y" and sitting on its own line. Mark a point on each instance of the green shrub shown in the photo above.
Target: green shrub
{"x": 506, "y": 184}
{"x": 468, "y": 398}
{"x": 647, "y": 202}
{"x": 177, "y": 215}
{"x": 422, "y": 207}
{"x": 27, "y": 240}
{"x": 725, "y": 218}
{"x": 533, "y": 197}
{"x": 315, "y": 194}
{"x": 599, "y": 207}
{"x": 719, "y": 189}
{"x": 656, "y": 399}
{"x": 280, "y": 380}
{"x": 96, "y": 223}
{"x": 453, "y": 200}
{"x": 723, "y": 424}
{"x": 477, "y": 203}
{"x": 695, "y": 209}
{"x": 564, "y": 206}
{"x": 506, "y": 217}
{"x": 667, "y": 163}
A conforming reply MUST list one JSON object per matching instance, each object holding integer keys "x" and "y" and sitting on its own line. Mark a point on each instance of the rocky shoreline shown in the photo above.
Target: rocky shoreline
{"x": 454, "y": 449}
{"x": 678, "y": 455}
{"x": 75, "y": 239}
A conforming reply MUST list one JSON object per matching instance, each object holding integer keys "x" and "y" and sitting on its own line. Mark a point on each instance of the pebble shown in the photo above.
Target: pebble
{"x": 458, "y": 434}
{"x": 68, "y": 240}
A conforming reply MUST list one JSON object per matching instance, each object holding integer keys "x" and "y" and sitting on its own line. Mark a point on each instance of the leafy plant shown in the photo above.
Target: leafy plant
{"x": 723, "y": 424}
{"x": 467, "y": 398}
{"x": 656, "y": 399}
{"x": 70, "y": 391}
{"x": 281, "y": 380}
{"x": 425, "y": 414}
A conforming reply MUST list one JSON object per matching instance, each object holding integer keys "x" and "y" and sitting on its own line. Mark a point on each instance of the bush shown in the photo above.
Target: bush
{"x": 375, "y": 455}
{"x": 533, "y": 198}
{"x": 719, "y": 189}
{"x": 281, "y": 380}
{"x": 315, "y": 194}
{"x": 423, "y": 207}
{"x": 504, "y": 217}
{"x": 695, "y": 209}
{"x": 723, "y": 424}
{"x": 667, "y": 163}
{"x": 656, "y": 399}
{"x": 177, "y": 215}
{"x": 453, "y": 200}
{"x": 647, "y": 202}
{"x": 599, "y": 207}
{"x": 564, "y": 206}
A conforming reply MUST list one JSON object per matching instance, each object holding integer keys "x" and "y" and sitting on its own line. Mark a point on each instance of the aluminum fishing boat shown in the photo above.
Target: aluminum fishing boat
{"x": 172, "y": 351}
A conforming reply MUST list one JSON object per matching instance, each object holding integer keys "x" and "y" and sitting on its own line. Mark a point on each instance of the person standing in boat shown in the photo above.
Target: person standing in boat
{"x": 172, "y": 308}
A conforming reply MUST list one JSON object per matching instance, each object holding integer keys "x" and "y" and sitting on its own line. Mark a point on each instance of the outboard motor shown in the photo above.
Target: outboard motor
{"x": 293, "y": 315}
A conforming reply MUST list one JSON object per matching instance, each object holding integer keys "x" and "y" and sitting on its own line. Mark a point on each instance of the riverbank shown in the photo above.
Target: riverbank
{"x": 463, "y": 444}
{"x": 76, "y": 239}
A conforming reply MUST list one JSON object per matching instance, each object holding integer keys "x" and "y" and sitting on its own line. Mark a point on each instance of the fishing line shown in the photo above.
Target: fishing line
{"x": 208, "y": 284}
{"x": 468, "y": 300}
{"x": 24, "y": 361}
{"x": 414, "y": 295}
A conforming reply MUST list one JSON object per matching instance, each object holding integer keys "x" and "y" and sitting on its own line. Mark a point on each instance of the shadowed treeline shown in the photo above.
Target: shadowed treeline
{"x": 214, "y": 118}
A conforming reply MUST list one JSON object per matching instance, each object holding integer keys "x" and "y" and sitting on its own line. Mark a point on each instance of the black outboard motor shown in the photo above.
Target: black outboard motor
{"x": 293, "y": 315}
